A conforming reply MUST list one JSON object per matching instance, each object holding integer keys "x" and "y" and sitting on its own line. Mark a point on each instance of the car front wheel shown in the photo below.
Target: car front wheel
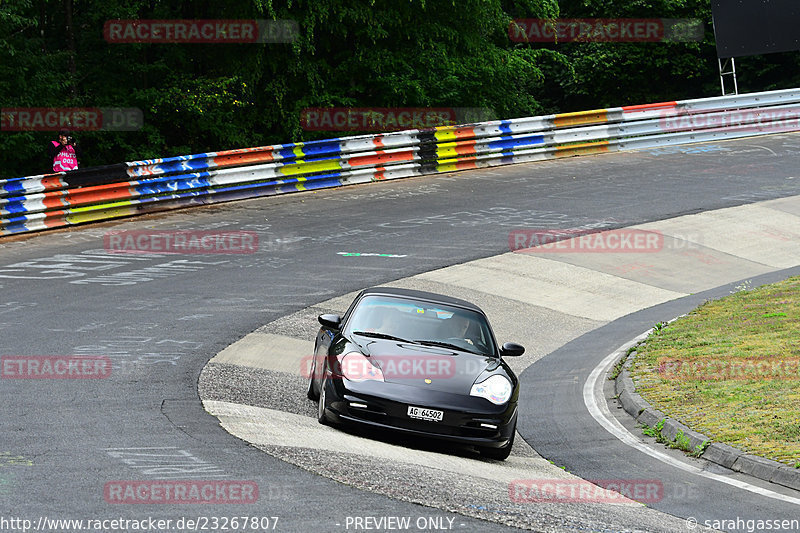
{"x": 321, "y": 417}
{"x": 312, "y": 395}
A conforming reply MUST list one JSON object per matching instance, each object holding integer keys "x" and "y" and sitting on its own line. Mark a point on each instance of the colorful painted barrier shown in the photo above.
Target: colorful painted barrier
{"x": 36, "y": 203}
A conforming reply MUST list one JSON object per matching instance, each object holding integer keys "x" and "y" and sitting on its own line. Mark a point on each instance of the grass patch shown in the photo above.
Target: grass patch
{"x": 731, "y": 370}
{"x": 681, "y": 441}
{"x": 655, "y": 431}
{"x": 617, "y": 370}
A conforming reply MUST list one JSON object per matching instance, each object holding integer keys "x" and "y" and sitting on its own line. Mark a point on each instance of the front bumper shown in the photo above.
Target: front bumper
{"x": 467, "y": 420}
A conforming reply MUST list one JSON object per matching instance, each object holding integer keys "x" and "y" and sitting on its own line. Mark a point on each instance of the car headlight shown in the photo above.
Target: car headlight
{"x": 496, "y": 389}
{"x": 356, "y": 367}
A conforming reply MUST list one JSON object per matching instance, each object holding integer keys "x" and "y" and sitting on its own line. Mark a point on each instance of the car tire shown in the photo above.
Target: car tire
{"x": 321, "y": 416}
{"x": 500, "y": 454}
{"x": 312, "y": 395}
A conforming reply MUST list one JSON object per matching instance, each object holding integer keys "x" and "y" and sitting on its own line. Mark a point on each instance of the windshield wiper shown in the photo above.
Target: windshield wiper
{"x": 377, "y": 335}
{"x": 445, "y": 345}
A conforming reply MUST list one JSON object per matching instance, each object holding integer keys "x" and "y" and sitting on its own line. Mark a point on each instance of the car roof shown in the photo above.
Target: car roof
{"x": 422, "y": 295}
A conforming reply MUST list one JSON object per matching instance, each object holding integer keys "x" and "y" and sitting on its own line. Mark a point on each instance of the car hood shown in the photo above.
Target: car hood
{"x": 431, "y": 367}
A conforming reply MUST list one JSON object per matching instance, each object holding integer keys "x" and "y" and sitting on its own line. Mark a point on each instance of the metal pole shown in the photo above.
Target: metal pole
{"x": 731, "y": 72}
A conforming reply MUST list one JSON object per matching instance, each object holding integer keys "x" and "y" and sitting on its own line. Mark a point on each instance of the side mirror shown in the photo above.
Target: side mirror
{"x": 330, "y": 321}
{"x": 511, "y": 349}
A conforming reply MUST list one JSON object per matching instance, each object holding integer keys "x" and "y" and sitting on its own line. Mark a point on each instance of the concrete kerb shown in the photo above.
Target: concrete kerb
{"x": 715, "y": 452}
{"x": 786, "y": 476}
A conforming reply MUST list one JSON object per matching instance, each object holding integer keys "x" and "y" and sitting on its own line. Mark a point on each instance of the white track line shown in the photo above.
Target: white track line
{"x": 595, "y": 402}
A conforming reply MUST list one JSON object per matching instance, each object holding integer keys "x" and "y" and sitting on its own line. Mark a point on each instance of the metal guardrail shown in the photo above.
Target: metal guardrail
{"x": 36, "y": 203}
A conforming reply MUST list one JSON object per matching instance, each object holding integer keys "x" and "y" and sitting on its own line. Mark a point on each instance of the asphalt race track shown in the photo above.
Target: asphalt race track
{"x": 159, "y": 318}
{"x": 255, "y": 386}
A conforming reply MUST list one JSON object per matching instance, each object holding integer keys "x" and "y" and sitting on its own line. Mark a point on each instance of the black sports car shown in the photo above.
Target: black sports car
{"x": 419, "y": 363}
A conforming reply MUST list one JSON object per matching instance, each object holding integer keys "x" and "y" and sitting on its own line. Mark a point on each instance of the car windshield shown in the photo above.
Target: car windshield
{"x": 421, "y": 322}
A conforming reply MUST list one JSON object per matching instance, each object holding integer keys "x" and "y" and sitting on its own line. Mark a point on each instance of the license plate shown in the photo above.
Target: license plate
{"x": 425, "y": 414}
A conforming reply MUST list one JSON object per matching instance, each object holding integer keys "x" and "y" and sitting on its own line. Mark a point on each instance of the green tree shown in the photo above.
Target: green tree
{"x": 359, "y": 53}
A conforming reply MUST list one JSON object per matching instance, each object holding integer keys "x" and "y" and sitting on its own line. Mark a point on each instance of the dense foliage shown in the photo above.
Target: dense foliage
{"x": 359, "y": 53}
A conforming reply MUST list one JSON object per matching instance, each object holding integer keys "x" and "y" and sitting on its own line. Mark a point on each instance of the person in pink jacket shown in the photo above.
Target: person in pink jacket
{"x": 64, "y": 152}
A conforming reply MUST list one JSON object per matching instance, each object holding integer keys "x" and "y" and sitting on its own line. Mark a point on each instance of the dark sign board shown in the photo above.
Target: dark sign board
{"x": 754, "y": 27}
